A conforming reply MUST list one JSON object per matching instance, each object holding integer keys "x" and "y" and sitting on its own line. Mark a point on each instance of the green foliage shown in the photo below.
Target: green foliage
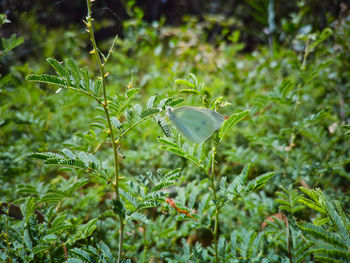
{"x": 81, "y": 160}
{"x": 70, "y": 76}
{"x": 233, "y": 198}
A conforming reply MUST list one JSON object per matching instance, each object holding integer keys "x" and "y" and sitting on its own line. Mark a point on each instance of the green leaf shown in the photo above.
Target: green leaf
{"x": 161, "y": 185}
{"x": 148, "y": 204}
{"x": 11, "y": 43}
{"x": 40, "y": 248}
{"x": 185, "y": 83}
{"x": 60, "y": 70}
{"x": 82, "y": 254}
{"x": 149, "y": 112}
{"x": 49, "y": 79}
{"x": 150, "y": 102}
{"x": 58, "y": 229}
{"x": 53, "y": 197}
{"x": 230, "y": 122}
{"x": 326, "y": 33}
{"x": 174, "y": 102}
{"x": 260, "y": 181}
{"x": 168, "y": 142}
{"x": 74, "y": 70}
{"x": 337, "y": 253}
{"x": 139, "y": 217}
{"x": 172, "y": 175}
{"x": 319, "y": 233}
{"x": 337, "y": 220}
{"x": 165, "y": 127}
{"x": 129, "y": 198}
{"x": 189, "y": 91}
{"x": 312, "y": 205}
{"x": 118, "y": 208}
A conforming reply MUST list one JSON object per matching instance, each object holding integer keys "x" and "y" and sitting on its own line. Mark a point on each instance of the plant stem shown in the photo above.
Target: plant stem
{"x": 217, "y": 208}
{"x": 106, "y": 110}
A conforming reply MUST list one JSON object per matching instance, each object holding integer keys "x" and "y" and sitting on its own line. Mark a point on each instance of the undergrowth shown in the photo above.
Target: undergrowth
{"x": 93, "y": 171}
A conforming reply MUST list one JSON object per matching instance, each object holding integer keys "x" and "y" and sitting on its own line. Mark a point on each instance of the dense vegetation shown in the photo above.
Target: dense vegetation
{"x": 91, "y": 169}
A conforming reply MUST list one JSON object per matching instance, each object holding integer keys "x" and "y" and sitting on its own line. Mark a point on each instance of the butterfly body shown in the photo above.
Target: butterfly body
{"x": 196, "y": 124}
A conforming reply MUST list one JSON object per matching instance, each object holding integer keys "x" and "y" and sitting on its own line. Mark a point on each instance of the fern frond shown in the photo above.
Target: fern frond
{"x": 60, "y": 70}
{"x": 148, "y": 112}
{"x": 120, "y": 103}
{"x": 312, "y": 205}
{"x": 82, "y": 254}
{"x": 49, "y": 79}
{"x": 40, "y": 248}
{"x": 139, "y": 217}
{"x": 259, "y": 181}
{"x": 165, "y": 127}
{"x": 175, "y": 150}
{"x": 337, "y": 220}
{"x": 319, "y": 233}
{"x": 222, "y": 185}
{"x": 106, "y": 252}
{"x": 172, "y": 175}
{"x": 171, "y": 102}
{"x": 95, "y": 87}
{"x": 74, "y": 70}
{"x": 231, "y": 121}
{"x": 8, "y": 44}
{"x": 337, "y": 253}
{"x": 27, "y": 189}
{"x": 81, "y": 161}
{"x": 148, "y": 204}
{"x": 59, "y": 219}
{"x": 75, "y": 186}
{"x": 202, "y": 206}
{"x": 118, "y": 208}
{"x": 88, "y": 228}
{"x": 237, "y": 185}
{"x": 58, "y": 229}
{"x": 161, "y": 185}
{"x": 129, "y": 197}
{"x": 55, "y": 197}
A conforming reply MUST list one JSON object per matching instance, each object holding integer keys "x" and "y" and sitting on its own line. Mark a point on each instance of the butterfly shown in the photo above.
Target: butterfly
{"x": 196, "y": 124}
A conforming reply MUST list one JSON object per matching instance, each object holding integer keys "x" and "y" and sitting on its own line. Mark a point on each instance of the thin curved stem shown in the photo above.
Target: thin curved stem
{"x": 95, "y": 51}
{"x": 217, "y": 207}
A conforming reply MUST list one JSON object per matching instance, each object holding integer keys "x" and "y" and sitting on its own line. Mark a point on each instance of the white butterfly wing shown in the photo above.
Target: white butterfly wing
{"x": 196, "y": 124}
